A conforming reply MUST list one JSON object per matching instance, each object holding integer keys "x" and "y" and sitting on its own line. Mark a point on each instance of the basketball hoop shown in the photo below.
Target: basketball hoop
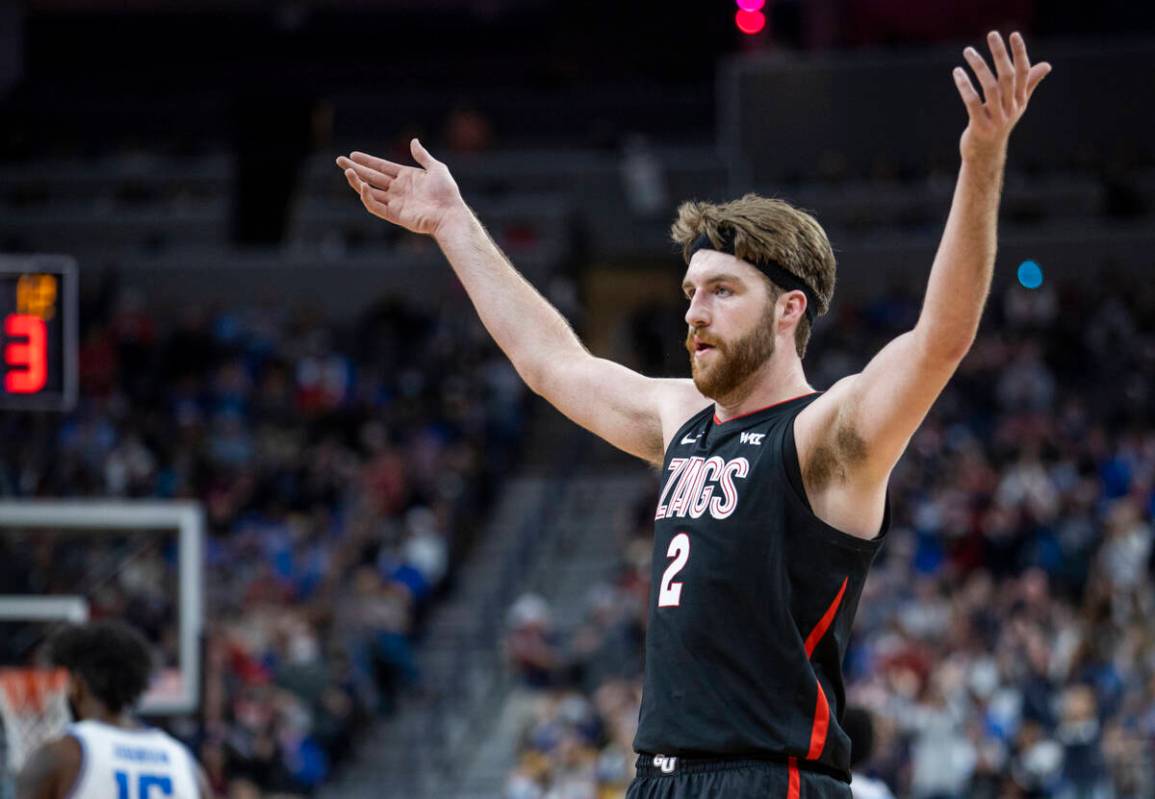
{"x": 34, "y": 707}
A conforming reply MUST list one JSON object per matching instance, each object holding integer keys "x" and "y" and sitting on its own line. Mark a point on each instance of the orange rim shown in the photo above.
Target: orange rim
{"x": 29, "y": 690}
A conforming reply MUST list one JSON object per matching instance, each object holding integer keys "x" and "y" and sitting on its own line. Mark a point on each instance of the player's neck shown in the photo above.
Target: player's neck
{"x": 124, "y": 720}
{"x": 780, "y": 379}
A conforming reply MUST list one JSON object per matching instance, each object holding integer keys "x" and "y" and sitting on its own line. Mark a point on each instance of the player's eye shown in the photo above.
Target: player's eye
{"x": 723, "y": 291}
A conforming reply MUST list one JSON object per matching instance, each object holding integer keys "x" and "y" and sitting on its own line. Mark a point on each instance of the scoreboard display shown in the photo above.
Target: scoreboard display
{"x": 37, "y": 332}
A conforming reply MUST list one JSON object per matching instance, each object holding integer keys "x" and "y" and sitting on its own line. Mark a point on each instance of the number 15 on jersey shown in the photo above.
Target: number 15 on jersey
{"x": 148, "y": 786}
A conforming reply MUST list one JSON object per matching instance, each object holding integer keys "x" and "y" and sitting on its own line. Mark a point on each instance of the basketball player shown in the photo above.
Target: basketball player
{"x": 773, "y": 497}
{"x": 858, "y": 724}
{"x": 107, "y": 754}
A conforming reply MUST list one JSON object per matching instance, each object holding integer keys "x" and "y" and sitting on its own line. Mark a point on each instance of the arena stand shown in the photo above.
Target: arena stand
{"x": 344, "y": 466}
{"x": 282, "y": 425}
{"x": 341, "y": 474}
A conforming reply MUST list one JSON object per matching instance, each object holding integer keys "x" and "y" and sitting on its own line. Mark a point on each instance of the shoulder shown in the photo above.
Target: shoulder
{"x": 52, "y": 770}
{"x": 827, "y": 407}
{"x": 681, "y": 401}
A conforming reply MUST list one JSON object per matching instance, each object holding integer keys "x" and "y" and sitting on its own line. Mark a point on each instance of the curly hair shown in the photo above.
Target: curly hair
{"x": 765, "y": 229}
{"x": 114, "y": 660}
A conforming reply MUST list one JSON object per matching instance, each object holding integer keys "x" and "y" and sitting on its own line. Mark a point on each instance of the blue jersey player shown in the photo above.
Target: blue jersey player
{"x": 107, "y": 754}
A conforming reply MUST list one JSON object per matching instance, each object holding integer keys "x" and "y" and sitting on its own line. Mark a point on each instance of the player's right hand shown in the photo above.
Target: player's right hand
{"x": 418, "y": 199}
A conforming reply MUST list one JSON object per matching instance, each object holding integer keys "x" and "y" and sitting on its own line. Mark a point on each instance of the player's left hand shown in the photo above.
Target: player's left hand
{"x": 993, "y": 114}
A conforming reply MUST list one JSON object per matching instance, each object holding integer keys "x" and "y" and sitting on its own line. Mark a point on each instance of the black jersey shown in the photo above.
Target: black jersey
{"x": 751, "y": 600}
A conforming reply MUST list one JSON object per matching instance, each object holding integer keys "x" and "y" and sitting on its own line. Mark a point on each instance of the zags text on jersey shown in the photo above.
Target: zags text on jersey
{"x": 692, "y": 485}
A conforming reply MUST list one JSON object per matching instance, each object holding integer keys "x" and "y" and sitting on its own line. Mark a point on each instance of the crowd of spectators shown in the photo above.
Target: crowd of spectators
{"x": 341, "y": 469}
{"x": 1003, "y": 644}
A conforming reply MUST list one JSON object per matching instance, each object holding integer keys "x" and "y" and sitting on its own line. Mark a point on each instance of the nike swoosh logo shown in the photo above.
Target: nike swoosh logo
{"x": 690, "y": 439}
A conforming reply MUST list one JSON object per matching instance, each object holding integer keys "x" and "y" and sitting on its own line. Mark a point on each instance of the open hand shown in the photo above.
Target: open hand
{"x": 417, "y": 199}
{"x": 993, "y": 114}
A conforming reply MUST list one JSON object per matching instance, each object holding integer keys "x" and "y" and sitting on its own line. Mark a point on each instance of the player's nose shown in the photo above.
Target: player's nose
{"x": 697, "y": 314}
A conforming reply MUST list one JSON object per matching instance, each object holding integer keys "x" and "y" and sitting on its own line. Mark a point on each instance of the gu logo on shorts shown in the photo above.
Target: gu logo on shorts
{"x": 693, "y": 483}
{"x": 666, "y": 764}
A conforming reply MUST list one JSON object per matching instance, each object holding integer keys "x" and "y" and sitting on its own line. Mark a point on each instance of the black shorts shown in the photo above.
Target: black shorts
{"x": 675, "y": 778}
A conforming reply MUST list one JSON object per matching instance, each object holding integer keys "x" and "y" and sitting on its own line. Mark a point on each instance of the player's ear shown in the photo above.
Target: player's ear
{"x": 790, "y": 303}
{"x": 77, "y": 689}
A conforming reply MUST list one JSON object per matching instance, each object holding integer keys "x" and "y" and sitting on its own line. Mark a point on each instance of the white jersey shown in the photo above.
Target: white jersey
{"x": 144, "y": 763}
{"x": 863, "y": 787}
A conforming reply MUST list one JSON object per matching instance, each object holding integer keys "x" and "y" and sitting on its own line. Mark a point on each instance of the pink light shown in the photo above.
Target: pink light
{"x": 751, "y": 5}
{"x": 750, "y": 22}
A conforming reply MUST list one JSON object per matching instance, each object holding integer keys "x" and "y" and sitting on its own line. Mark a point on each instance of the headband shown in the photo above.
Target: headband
{"x": 774, "y": 271}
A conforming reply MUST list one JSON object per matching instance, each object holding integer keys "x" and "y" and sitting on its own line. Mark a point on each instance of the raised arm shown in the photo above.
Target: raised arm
{"x": 872, "y": 415}
{"x": 961, "y": 275}
{"x": 626, "y": 409}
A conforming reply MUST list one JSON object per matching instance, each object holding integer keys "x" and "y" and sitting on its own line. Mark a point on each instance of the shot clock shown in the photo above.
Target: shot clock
{"x": 37, "y": 332}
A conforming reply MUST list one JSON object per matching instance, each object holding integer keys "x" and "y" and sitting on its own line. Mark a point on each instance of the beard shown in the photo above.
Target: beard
{"x": 733, "y": 362}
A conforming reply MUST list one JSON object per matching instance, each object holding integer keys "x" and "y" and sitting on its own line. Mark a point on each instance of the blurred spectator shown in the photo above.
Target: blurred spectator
{"x": 467, "y": 130}
{"x": 339, "y": 486}
{"x": 642, "y": 178}
{"x": 531, "y": 646}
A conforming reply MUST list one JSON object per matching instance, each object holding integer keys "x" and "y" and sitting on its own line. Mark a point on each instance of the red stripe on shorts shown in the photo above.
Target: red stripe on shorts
{"x": 795, "y": 781}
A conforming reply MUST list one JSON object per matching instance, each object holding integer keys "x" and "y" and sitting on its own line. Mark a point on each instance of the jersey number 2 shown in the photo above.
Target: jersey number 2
{"x": 145, "y": 783}
{"x": 670, "y": 593}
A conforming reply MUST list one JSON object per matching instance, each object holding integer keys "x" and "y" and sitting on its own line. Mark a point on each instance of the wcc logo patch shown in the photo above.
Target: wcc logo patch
{"x": 752, "y": 438}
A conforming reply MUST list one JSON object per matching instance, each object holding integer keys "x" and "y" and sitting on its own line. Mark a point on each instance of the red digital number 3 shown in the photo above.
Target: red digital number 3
{"x": 27, "y": 362}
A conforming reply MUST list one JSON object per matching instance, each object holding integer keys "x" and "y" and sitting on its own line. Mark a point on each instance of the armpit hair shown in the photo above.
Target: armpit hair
{"x": 832, "y": 459}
